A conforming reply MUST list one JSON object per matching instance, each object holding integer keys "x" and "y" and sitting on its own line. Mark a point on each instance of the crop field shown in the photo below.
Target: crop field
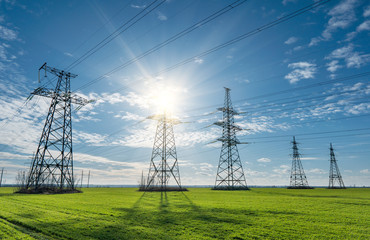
{"x": 200, "y": 213}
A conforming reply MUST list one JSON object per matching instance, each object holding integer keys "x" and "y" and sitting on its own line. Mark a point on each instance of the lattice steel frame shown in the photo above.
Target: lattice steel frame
{"x": 334, "y": 175}
{"x": 298, "y": 178}
{"x": 230, "y": 174}
{"x": 52, "y": 165}
{"x": 163, "y": 162}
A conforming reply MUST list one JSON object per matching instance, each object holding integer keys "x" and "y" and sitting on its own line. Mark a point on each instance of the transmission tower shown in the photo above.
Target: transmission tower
{"x": 1, "y": 176}
{"x": 52, "y": 165}
{"x": 164, "y": 172}
{"x": 334, "y": 175}
{"x": 297, "y": 177}
{"x": 230, "y": 174}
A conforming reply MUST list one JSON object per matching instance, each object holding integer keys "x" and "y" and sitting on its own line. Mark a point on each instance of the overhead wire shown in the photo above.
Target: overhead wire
{"x": 124, "y": 27}
{"x": 182, "y": 33}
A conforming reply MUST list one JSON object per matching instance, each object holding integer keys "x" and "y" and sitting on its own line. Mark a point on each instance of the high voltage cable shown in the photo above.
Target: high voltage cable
{"x": 304, "y": 107}
{"x": 101, "y": 44}
{"x": 248, "y": 34}
{"x": 347, "y": 78}
{"x": 315, "y": 133}
{"x": 274, "y": 103}
{"x": 237, "y": 39}
{"x": 116, "y": 33}
{"x": 168, "y": 41}
{"x": 324, "y": 137}
{"x": 264, "y": 27}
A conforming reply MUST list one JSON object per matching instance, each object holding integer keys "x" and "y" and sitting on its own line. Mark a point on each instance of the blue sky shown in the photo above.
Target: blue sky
{"x": 308, "y": 77}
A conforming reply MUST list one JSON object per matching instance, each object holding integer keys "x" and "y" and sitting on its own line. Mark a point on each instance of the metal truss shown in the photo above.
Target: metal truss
{"x": 335, "y": 178}
{"x": 230, "y": 174}
{"x": 298, "y": 178}
{"x": 52, "y": 165}
{"x": 164, "y": 172}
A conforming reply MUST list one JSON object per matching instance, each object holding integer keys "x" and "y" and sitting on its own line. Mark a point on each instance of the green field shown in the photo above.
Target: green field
{"x": 125, "y": 213}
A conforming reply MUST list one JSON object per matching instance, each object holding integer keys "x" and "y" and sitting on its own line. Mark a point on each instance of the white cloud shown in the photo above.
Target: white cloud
{"x": 283, "y": 169}
{"x": 316, "y": 171}
{"x": 358, "y": 109}
{"x": 138, "y": 6}
{"x": 198, "y": 60}
{"x": 302, "y": 70}
{"x": 365, "y": 26}
{"x": 89, "y": 138}
{"x": 264, "y": 160}
{"x": 129, "y": 116}
{"x": 309, "y": 158}
{"x": 367, "y": 11}
{"x": 7, "y": 34}
{"x": 341, "y": 17}
{"x": 352, "y": 58}
{"x": 161, "y": 16}
{"x": 365, "y": 171}
{"x": 68, "y": 54}
{"x": 291, "y": 40}
{"x": 333, "y": 66}
{"x": 7, "y": 156}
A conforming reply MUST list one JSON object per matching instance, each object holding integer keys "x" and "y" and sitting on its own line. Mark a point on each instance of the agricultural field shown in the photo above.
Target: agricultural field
{"x": 200, "y": 213}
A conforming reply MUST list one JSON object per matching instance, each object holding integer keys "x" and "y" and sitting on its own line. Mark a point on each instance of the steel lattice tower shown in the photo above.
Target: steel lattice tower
{"x": 52, "y": 165}
{"x": 297, "y": 177}
{"x": 230, "y": 174}
{"x": 334, "y": 175}
{"x": 163, "y": 164}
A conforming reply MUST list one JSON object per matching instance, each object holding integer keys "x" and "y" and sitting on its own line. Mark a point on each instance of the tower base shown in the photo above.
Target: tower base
{"x": 300, "y": 187}
{"x": 231, "y": 188}
{"x": 162, "y": 189}
{"x": 47, "y": 190}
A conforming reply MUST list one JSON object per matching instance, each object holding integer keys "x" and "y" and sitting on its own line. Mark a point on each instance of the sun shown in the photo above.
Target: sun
{"x": 164, "y": 100}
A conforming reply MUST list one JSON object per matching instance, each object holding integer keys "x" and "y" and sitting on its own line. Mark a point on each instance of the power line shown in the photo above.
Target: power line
{"x": 309, "y": 134}
{"x": 246, "y": 35}
{"x": 168, "y": 41}
{"x": 116, "y": 33}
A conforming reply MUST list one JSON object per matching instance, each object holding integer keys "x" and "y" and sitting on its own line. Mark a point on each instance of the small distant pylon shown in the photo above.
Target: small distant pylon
{"x": 164, "y": 172}
{"x": 230, "y": 174}
{"x": 334, "y": 175}
{"x": 298, "y": 179}
{"x": 52, "y": 165}
{"x": 1, "y": 176}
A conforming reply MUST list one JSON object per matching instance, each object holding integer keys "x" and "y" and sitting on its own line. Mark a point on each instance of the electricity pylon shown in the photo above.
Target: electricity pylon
{"x": 1, "y": 176}
{"x": 230, "y": 174}
{"x": 52, "y": 165}
{"x": 163, "y": 164}
{"x": 297, "y": 177}
{"x": 334, "y": 175}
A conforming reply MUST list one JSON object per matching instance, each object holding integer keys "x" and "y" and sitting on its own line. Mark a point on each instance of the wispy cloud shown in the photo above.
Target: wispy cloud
{"x": 8, "y": 34}
{"x": 341, "y": 17}
{"x": 351, "y": 57}
{"x": 365, "y": 171}
{"x": 264, "y": 160}
{"x": 302, "y": 70}
{"x": 138, "y": 6}
{"x": 291, "y": 40}
{"x": 161, "y": 16}
{"x": 68, "y": 54}
{"x": 316, "y": 171}
{"x": 367, "y": 12}
{"x": 333, "y": 66}
{"x": 198, "y": 60}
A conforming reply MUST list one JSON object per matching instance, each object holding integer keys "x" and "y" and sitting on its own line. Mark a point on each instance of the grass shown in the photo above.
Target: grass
{"x": 125, "y": 213}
